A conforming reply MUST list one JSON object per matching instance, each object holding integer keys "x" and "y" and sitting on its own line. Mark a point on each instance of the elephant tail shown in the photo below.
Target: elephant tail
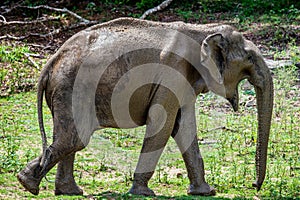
{"x": 42, "y": 85}
{"x": 40, "y": 94}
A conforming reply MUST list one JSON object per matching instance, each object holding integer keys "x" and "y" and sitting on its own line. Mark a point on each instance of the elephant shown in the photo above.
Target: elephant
{"x": 130, "y": 72}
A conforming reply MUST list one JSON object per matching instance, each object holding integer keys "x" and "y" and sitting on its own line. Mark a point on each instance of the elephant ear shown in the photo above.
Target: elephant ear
{"x": 212, "y": 50}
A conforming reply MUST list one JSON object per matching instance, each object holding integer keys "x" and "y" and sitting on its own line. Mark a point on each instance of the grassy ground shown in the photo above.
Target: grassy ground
{"x": 226, "y": 139}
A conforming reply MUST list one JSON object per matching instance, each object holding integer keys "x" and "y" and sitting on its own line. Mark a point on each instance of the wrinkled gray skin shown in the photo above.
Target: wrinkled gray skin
{"x": 233, "y": 56}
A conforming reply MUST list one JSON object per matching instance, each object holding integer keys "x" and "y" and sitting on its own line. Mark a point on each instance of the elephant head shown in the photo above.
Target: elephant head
{"x": 231, "y": 58}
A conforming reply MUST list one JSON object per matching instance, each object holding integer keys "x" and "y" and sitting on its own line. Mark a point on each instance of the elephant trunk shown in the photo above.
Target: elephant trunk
{"x": 234, "y": 101}
{"x": 263, "y": 84}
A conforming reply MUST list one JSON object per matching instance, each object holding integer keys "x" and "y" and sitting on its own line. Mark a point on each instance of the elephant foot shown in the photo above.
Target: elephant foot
{"x": 30, "y": 183}
{"x": 30, "y": 177}
{"x": 141, "y": 190}
{"x": 67, "y": 189}
{"x": 203, "y": 190}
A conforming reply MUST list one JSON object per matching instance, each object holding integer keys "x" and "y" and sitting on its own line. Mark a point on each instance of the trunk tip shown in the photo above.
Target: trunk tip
{"x": 234, "y": 103}
{"x": 257, "y": 185}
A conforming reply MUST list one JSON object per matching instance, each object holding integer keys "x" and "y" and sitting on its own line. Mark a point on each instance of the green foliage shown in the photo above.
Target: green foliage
{"x": 142, "y": 4}
{"x": 10, "y": 54}
{"x": 147, "y": 4}
{"x": 9, "y": 159}
{"x": 249, "y": 7}
{"x": 187, "y": 14}
{"x": 16, "y": 121}
{"x": 35, "y": 3}
{"x": 280, "y": 10}
{"x": 16, "y": 73}
{"x": 215, "y": 6}
{"x": 259, "y": 7}
{"x": 117, "y": 2}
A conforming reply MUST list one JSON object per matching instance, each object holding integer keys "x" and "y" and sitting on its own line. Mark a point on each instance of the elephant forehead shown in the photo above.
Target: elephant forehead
{"x": 236, "y": 51}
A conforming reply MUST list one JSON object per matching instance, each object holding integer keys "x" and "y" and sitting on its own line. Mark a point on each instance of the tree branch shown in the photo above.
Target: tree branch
{"x": 65, "y": 10}
{"x": 3, "y": 19}
{"x": 33, "y": 63}
{"x": 161, "y": 6}
{"x": 8, "y": 36}
{"x": 39, "y": 20}
{"x": 83, "y": 22}
{"x": 50, "y": 34}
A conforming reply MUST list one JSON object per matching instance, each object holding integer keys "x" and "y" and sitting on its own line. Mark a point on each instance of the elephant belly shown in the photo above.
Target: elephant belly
{"x": 126, "y": 111}
{"x": 120, "y": 104}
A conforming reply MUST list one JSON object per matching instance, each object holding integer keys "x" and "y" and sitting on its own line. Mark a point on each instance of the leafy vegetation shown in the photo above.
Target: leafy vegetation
{"x": 16, "y": 74}
{"x": 245, "y": 11}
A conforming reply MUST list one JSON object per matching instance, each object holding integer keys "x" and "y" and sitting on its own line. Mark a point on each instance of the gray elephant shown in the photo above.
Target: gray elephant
{"x": 129, "y": 72}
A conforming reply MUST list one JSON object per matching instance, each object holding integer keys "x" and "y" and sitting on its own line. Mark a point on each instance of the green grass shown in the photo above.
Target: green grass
{"x": 105, "y": 168}
{"x": 16, "y": 73}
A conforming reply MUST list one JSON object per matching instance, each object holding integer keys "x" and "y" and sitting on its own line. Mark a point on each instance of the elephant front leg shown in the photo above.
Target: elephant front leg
{"x": 195, "y": 168}
{"x": 64, "y": 182}
{"x": 158, "y": 131}
{"x": 185, "y": 136}
{"x": 151, "y": 151}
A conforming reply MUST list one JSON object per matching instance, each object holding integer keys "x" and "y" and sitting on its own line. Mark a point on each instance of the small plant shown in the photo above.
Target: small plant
{"x": 91, "y": 6}
{"x": 9, "y": 145}
{"x": 146, "y": 4}
{"x": 16, "y": 74}
{"x": 9, "y": 159}
{"x": 185, "y": 14}
{"x": 34, "y": 3}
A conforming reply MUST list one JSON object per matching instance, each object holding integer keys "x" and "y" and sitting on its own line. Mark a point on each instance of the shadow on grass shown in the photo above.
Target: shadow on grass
{"x": 114, "y": 195}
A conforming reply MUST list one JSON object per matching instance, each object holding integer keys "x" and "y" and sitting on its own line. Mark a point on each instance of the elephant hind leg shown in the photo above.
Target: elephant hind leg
{"x": 64, "y": 181}
{"x": 65, "y": 142}
{"x": 30, "y": 176}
